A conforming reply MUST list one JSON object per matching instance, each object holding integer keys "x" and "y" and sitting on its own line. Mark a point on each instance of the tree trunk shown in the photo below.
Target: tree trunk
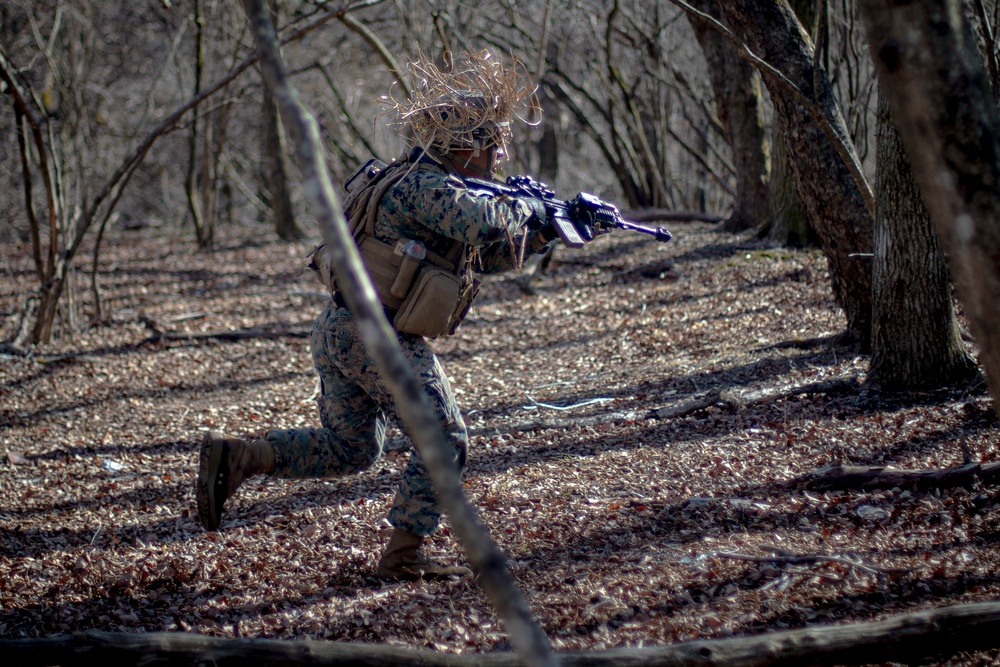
{"x": 548, "y": 143}
{"x": 788, "y": 224}
{"x": 915, "y": 337}
{"x": 199, "y": 141}
{"x": 932, "y": 75}
{"x": 824, "y": 163}
{"x": 285, "y": 225}
{"x": 740, "y": 106}
{"x": 279, "y": 198}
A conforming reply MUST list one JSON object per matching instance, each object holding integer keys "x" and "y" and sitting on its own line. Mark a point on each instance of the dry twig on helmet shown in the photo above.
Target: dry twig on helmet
{"x": 468, "y": 106}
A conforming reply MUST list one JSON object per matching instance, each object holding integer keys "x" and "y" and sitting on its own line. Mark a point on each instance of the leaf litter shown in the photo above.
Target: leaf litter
{"x": 622, "y": 530}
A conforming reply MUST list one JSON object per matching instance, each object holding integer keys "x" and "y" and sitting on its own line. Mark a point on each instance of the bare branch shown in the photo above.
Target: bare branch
{"x": 383, "y": 346}
{"x": 373, "y": 41}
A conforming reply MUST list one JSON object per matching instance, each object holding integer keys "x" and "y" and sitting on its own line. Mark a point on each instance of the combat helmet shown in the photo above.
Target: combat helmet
{"x": 468, "y": 105}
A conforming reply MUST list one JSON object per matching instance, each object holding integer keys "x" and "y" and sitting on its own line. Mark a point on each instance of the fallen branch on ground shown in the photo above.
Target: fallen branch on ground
{"x": 401, "y": 442}
{"x": 232, "y": 334}
{"x": 839, "y": 476}
{"x": 733, "y": 399}
{"x": 908, "y": 638}
{"x": 781, "y": 557}
{"x": 229, "y": 334}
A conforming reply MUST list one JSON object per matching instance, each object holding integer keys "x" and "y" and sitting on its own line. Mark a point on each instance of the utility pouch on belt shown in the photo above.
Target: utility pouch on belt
{"x": 436, "y": 304}
{"x": 429, "y": 294}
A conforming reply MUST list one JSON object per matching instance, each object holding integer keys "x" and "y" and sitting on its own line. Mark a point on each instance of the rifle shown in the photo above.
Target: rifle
{"x": 573, "y": 219}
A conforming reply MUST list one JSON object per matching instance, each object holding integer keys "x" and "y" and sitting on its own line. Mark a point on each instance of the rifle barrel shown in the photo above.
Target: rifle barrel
{"x": 662, "y": 234}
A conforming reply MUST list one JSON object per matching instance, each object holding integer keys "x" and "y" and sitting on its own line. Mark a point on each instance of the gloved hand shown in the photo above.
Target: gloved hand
{"x": 539, "y": 216}
{"x": 591, "y": 216}
{"x": 585, "y": 221}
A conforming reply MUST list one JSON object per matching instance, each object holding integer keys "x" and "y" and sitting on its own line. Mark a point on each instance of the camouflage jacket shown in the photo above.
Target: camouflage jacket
{"x": 437, "y": 208}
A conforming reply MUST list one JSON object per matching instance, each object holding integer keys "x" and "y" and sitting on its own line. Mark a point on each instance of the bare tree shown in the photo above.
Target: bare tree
{"x": 68, "y": 191}
{"x": 52, "y": 157}
{"x": 617, "y": 84}
{"x": 932, "y": 74}
{"x": 828, "y": 175}
{"x": 279, "y": 197}
{"x": 207, "y": 130}
{"x": 916, "y": 343}
{"x": 740, "y": 105}
{"x": 789, "y": 223}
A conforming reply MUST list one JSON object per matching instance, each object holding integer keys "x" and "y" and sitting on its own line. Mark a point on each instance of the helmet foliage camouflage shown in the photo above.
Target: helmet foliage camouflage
{"x": 468, "y": 106}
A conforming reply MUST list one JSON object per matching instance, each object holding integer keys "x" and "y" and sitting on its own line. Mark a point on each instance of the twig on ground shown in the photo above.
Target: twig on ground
{"x": 549, "y": 406}
{"x": 783, "y": 557}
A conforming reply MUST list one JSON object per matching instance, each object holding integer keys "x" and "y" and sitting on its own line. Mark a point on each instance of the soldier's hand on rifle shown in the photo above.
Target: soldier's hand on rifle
{"x": 539, "y": 214}
{"x": 540, "y": 219}
{"x": 586, "y": 222}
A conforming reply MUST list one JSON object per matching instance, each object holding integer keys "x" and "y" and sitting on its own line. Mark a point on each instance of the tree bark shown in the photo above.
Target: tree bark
{"x": 788, "y": 222}
{"x": 279, "y": 198}
{"x": 740, "y": 107}
{"x": 199, "y": 182}
{"x": 932, "y": 75}
{"x": 383, "y": 346}
{"x": 824, "y": 163}
{"x": 908, "y": 638}
{"x": 916, "y": 344}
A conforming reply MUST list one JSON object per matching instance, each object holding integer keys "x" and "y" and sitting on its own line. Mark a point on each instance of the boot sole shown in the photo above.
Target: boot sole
{"x": 209, "y": 462}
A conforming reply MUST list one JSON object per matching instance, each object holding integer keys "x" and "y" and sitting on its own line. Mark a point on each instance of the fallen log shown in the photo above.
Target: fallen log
{"x": 839, "y": 476}
{"x": 907, "y": 638}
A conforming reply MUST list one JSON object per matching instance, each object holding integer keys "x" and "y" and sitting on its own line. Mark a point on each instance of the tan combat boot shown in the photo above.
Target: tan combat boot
{"x": 226, "y": 462}
{"x": 402, "y": 560}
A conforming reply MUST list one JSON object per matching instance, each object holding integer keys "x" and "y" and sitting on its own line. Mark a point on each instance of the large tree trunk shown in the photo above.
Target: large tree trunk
{"x": 740, "y": 106}
{"x": 932, "y": 75}
{"x": 279, "y": 198}
{"x": 824, "y": 163}
{"x": 788, "y": 224}
{"x": 915, "y": 337}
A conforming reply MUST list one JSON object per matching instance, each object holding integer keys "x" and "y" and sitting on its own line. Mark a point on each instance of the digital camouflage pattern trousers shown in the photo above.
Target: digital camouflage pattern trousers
{"x": 354, "y": 406}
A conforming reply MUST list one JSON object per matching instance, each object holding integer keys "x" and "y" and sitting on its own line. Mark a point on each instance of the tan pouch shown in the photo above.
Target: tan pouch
{"x": 432, "y": 304}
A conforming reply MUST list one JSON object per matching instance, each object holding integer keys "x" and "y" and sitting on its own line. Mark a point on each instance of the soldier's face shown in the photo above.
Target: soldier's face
{"x": 493, "y": 157}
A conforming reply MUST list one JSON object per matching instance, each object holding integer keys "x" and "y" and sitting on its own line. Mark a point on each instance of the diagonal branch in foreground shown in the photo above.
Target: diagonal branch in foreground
{"x": 380, "y": 339}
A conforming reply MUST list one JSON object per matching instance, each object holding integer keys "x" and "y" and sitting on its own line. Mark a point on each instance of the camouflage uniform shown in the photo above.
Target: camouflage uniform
{"x": 434, "y": 207}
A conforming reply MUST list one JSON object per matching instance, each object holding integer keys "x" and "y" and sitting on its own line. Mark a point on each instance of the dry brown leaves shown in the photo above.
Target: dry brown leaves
{"x": 620, "y": 529}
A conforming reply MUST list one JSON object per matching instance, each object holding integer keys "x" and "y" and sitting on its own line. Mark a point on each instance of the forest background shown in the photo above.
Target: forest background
{"x": 155, "y": 247}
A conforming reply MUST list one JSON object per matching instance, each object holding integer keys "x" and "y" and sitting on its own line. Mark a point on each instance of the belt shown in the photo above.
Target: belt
{"x": 340, "y": 302}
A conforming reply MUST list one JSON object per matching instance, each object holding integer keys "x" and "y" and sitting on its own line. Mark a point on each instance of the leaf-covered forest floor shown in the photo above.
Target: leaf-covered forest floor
{"x": 622, "y": 530}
